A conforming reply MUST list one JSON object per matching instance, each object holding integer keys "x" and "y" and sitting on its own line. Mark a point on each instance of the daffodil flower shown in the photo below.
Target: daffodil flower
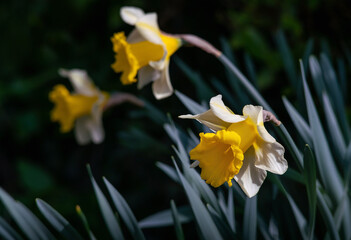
{"x": 146, "y": 52}
{"x": 240, "y": 147}
{"x": 81, "y": 109}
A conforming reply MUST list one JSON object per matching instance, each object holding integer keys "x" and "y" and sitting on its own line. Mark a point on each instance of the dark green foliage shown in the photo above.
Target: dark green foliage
{"x": 39, "y": 37}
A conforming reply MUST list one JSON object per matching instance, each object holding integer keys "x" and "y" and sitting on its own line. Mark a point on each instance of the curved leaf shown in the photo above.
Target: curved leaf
{"x": 124, "y": 211}
{"x": 28, "y": 223}
{"x": 310, "y": 178}
{"x": 7, "y": 232}
{"x": 57, "y": 221}
{"x": 164, "y": 218}
{"x": 203, "y": 218}
{"x": 176, "y": 221}
{"x": 106, "y": 210}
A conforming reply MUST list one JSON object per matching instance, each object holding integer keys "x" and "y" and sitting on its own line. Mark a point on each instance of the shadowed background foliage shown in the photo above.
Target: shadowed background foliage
{"x": 40, "y": 36}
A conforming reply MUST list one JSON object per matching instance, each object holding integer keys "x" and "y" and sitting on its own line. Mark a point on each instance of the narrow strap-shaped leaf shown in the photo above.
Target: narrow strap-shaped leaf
{"x": 169, "y": 171}
{"x": 191, "y": 174}
{"x": 250, "y": 218}
{"x": 203, "y": 188}
{"x": 239, "y": 193}
{"x": 307, "y": 52}
{"x": 7, "y": 232}
{"x": 106, "y": 210}
{"x": 347, "y": 219}
{"x": 341, "y": 210}
{"x": 263, "y": 228}
{"x": 245, "y": 82}
{"x": 176, "y": 221}
{"x": 294, "y": 175}
{"x": 173, "y": 133}
{"x": 221, "y": 224}
{"x": 333, "y": 88}
{"x": 221, "y": 201}
{"x": 299, "y": 123}
{"x": 85, "y": 222}
{"x": 26, "y": 220}
{"x": 124, "y": 211}
{"x": 190, "y": 104}
{"x": 327, "y": 216}
{"x": 57, "y": 221}
{"x": 310, "y": 178}
{"x": 164, "y": 218}
{"x": 231, "y": 210}
{"x": 337, "y": 142}
{"x": 317, "y": 76}
{"x": 194, "y": 139}
{"x": 34, "y": 222}
{"x": 327, "y": 169}
{"x": 347, "y": 164}
{"x": 290, "y": 144}
{"x": 299, "y": 217}
{"x": 202, "y": 216}
{"x": 199, "y": 184}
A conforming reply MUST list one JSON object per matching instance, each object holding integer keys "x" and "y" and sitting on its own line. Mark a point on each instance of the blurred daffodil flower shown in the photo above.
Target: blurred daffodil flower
{"x": 240, "y": 147}
{"x": 81, "y": 109}
{"x": 146, "y": 52}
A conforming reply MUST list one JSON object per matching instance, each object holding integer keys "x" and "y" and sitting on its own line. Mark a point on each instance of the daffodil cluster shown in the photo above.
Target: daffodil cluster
{"x": 145, "y": 52}
{"x": 81, "y": 109}
{"x": 240, "y": 147}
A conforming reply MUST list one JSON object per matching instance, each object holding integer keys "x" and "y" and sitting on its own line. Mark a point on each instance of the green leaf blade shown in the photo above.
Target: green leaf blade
{"x": 25, "y": 219}
{"x": 329, "y": 174}
{"x": 176, "y": 220}
{"x": 164, "y": 218}
{"x": 57, "y": 221}
{"x": 106, "y": 210}
{"x": 202, "y": 216}
{"x": 250, "y": 218}
{"x": 310, "y": 178}
{"x": 7, "y": 232}
{"x": 124, "y": 211}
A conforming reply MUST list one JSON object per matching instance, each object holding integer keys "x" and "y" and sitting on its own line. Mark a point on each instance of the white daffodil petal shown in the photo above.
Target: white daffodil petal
{"x": 270, "y": 157}
{"x": 148, "y": 28}
{"x": 81, "y": 131}
{"x": 89, "y": 127}
{"x": 81, "y": 82}
{"x": 264, "y": 134}
{"x": 95, "y": 127}
{"x": 162, "y": 87}
{"x": 256, "y": 115}
{"x": 146, "y": 75}
{"x": 254, "y": 112}
{"x": 160, "y": 64}
{"x": 249, "y": 177}
{"x": 135, "y": 37}
{"x": 208, "y": 119}
{"x": 223, "y": 112}
{"x": 97, "y": 132}
{"x": 131, "y": 15}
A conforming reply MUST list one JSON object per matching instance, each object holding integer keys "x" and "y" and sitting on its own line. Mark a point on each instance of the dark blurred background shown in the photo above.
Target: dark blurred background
{"x": 40, "y": 36}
